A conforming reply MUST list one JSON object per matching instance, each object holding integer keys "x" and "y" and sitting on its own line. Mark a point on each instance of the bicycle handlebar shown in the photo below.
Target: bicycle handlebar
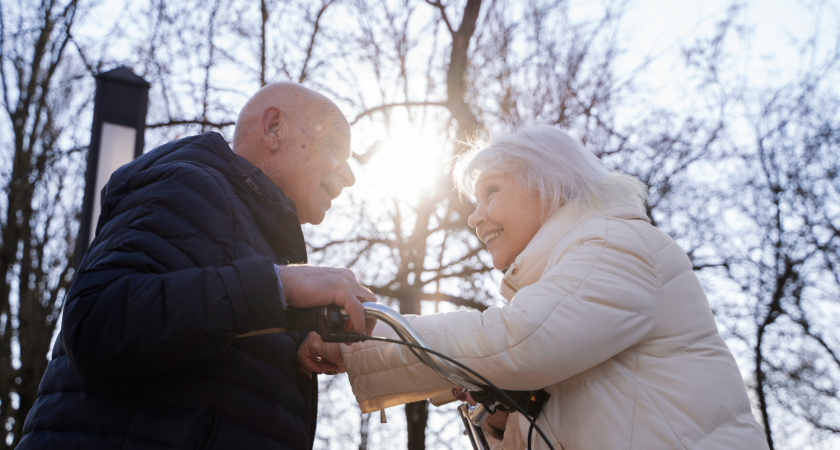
{"x": 445, "y": 369}
{"x": 473, "y": 417}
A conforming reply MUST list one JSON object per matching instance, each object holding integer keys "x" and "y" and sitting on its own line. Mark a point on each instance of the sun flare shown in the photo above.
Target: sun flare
{"x": 406, "y": 163}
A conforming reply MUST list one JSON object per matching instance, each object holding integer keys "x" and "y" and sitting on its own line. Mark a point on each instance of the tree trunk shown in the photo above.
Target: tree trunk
{"x": 417, "y": 415}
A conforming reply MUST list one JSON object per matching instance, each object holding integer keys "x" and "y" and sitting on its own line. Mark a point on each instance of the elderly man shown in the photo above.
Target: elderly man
{"x": 172, "y": 330}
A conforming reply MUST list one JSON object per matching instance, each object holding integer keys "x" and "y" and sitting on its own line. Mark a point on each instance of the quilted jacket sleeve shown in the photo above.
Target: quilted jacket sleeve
{"x": 596, "y": 298}
{"x": 161, "y": 286}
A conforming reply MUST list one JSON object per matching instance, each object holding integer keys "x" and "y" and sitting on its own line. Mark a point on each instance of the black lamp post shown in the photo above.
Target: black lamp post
{"x": 119, "y": 122}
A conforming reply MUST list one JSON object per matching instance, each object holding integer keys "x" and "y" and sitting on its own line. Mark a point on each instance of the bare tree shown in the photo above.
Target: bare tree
{"x": 788, "y": 271}
{"x": 38, "y": 216}
{"x": 771, "y": 245}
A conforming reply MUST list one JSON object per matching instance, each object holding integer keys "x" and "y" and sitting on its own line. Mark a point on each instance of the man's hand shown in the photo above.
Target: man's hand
{"x": 307, "y": 286}
{"x": 315, "y": 355}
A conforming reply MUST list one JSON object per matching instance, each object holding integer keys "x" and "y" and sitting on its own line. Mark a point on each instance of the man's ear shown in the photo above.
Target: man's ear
{"x": 273, "y": 128}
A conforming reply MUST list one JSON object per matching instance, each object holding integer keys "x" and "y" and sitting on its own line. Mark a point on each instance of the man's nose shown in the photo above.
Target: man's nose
{"x": 346, "y": 174}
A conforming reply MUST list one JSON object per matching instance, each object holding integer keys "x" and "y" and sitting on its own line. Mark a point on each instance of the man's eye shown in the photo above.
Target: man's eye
{"x": 330, "y": 148}
{"x": 335, "y": 149}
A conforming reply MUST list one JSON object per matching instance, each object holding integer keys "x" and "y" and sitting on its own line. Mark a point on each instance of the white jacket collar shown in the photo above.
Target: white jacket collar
{"x": 528, "y": 267}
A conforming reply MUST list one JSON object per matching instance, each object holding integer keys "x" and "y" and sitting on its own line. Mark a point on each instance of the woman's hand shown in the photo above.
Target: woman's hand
{"x": 494, "y": 423}
{"x": 315, "y": 355}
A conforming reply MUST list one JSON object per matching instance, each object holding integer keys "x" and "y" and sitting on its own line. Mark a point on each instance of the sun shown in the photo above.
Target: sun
{"x": 407, "y": 163}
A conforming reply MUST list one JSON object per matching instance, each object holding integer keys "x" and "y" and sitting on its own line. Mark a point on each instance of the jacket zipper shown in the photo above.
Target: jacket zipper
{"x": 252, "y": 185}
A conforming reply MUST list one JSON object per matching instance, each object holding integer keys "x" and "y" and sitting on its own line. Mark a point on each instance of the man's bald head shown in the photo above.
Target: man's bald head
{"x": 301, "y": 140}
{"x": 292, "y": 99}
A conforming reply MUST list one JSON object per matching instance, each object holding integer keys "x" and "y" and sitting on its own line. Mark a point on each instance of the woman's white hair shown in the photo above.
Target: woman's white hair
{"x": 552, "y": 164}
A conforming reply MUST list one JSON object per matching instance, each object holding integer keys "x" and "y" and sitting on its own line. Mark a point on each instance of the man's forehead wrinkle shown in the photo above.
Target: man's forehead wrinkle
{"x": 325, "y": 118}
{"x": 336, "y": 128}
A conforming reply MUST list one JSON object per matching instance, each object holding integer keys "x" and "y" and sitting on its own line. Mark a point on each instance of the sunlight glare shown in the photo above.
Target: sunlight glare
{"x": 407, "y": 164}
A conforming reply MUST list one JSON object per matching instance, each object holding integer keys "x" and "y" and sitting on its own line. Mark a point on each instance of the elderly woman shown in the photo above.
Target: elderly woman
{"x": 604, "y": 313}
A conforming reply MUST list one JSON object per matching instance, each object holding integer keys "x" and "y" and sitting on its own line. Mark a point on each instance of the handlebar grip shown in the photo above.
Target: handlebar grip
{"x": 302, "y": 320}
{"x": 330, "y": 322}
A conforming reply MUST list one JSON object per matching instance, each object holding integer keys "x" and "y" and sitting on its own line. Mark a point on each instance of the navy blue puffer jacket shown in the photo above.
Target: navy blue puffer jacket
{"x": 183, "y": 262}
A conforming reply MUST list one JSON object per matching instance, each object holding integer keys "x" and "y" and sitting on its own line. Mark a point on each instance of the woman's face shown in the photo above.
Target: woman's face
{"x": 506, "y": 218}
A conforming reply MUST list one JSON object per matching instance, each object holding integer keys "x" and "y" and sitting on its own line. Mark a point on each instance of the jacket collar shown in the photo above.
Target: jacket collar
{"x": 529, "y": 265}
{"x": 269, "y": 206}
{"x": 239, "y": 170}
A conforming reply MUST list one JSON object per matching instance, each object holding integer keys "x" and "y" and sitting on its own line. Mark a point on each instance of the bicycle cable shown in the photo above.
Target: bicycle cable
{"x": 489, "y": 384}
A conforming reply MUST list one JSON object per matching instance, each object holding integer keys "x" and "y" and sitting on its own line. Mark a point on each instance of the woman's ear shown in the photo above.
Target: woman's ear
{"x": 273, "y": 128}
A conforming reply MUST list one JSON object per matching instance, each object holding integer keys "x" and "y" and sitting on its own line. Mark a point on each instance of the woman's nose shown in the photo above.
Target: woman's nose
{"x": 476, "y": 217}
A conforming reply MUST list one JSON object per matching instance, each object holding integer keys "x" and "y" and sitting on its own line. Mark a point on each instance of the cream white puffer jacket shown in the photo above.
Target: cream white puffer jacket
{"x": 606, "y": 314}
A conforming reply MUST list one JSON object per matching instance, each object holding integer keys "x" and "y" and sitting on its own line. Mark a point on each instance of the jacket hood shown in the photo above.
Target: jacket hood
{"x": 208, "y": 150}
{"x": 530, "y": 264}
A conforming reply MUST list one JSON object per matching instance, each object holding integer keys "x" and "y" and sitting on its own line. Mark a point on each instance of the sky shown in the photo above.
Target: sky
{"x": 653, "y": 36}
{"x": 658, "y": 29}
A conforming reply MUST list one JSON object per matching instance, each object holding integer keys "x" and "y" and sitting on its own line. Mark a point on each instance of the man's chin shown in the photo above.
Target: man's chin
{"x": 313, "y": 219}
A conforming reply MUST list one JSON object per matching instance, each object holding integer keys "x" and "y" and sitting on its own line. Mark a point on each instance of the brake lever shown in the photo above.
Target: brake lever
{"x": 334, "y": 326}
{"x": 531, "y": 401}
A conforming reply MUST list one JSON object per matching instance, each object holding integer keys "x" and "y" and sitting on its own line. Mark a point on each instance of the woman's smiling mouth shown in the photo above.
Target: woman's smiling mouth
{"x": 492, "y": 235}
